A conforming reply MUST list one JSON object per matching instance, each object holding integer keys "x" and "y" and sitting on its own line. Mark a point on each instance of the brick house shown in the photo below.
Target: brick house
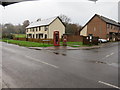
{"x": 101, "y": 27}
{"x": 43, "y": 29}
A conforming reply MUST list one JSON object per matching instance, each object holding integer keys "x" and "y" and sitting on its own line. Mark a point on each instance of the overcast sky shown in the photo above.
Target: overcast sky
{"x": 80, "y": 11}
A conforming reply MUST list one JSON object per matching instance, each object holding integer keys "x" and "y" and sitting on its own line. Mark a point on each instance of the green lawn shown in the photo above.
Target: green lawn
{"x": 35, "y": 44}
{"x": 20, "y": 35}
{"x": 26, "y": 43}
{"x": 75, "y": 44}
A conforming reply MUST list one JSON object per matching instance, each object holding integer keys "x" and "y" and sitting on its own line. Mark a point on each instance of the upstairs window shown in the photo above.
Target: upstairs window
{"x": 36, "y": 29}
{"x": 115, "y": 27}
{"x": 108, "y": 25}
{"x": 46, "y": 28}
{"x": 111, "y": 26}
{"x": 39, "y": 28}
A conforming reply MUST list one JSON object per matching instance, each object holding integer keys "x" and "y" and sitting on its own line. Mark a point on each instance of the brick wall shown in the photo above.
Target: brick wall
{"x": 97, "y": 27}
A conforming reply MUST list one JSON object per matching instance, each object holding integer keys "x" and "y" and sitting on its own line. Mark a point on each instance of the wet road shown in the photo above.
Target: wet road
{"x": 28, "y": 68}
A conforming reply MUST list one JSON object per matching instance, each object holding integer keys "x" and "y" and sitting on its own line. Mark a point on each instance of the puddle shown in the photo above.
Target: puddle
{"x": 99, "y": 62}
{"x": 56, "y": 53}
{"x": 37, "y": 49}
{"x": 64, "y": 54}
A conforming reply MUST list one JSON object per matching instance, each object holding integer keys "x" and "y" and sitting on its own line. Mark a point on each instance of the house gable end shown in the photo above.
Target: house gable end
{"x": 60, "y": 21}
{"x": 91, "y": 20}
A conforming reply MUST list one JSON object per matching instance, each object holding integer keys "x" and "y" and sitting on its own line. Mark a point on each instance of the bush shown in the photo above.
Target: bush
{"x": 10, "y": 36}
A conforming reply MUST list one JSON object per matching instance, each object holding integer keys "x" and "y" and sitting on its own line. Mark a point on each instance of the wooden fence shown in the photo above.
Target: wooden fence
{"x": 49, "y": 41}
{"x": 74, "y": 38}
{"x": 84, "y": 39}
{"x": 70, "y": 38}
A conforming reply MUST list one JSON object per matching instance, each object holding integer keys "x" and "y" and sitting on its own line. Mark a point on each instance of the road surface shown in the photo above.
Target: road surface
{"x": 28, "y": 68}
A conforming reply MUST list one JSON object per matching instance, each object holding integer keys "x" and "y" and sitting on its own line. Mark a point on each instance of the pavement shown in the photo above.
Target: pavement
{"x": 60, "y": 68}
{"x": 68, "y": 47}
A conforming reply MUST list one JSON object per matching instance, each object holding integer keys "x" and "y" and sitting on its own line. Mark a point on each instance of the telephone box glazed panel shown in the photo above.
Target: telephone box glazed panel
{"x": 56, "y": 38}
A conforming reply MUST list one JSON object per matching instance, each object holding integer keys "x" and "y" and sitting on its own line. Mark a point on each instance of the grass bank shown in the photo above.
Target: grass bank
{"x": 26, "y": 43}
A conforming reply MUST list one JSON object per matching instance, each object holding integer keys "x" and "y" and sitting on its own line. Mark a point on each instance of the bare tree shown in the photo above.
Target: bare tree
{"x": 65, "y": 18}
{"x": 73, "y": 29}
{"x": 26, "y": 23}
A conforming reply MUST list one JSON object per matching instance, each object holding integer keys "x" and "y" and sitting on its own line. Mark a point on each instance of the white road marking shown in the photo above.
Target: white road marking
{"x": 43, "y": 62}
{"x": 109, "y": 84}
{"x": 107, "y": 55}
{"x": 111, "y": 53}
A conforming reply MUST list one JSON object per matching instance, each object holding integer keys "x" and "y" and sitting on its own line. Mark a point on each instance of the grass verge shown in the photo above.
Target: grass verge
{"x": 26, "y": 43}
{"x": 35, "y": 44}
{"x": 76, "y": 44}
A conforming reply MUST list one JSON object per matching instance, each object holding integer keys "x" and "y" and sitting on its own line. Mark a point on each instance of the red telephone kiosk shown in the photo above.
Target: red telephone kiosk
{"x": 56, "y": 38}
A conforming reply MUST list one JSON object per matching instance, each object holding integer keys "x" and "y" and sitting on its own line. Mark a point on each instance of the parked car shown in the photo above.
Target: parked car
{"x": 102, "y": 40}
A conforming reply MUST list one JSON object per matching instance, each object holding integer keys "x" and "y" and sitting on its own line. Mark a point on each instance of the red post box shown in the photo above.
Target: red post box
{"x": 56, "y": 38}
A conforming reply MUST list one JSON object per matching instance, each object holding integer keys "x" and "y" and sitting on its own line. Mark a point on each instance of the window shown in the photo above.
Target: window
{"x": 33, "y": 35}
{"x": 36, "y": 35}
{"x": 46, "y": 28}
{"x": 111, "y": 26}
{"x": 94, "y": 29}
{"x": 39, "y": 28}
{"x": 40, "y": 35}
{"x": 117, "y": 28}
{"x": 45, "y": 36}
{"x": 36, "y": 29}
{"x": 31, "y": 30}
{"x": 108, "y": 25}
{"x": 114, "y": 27}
